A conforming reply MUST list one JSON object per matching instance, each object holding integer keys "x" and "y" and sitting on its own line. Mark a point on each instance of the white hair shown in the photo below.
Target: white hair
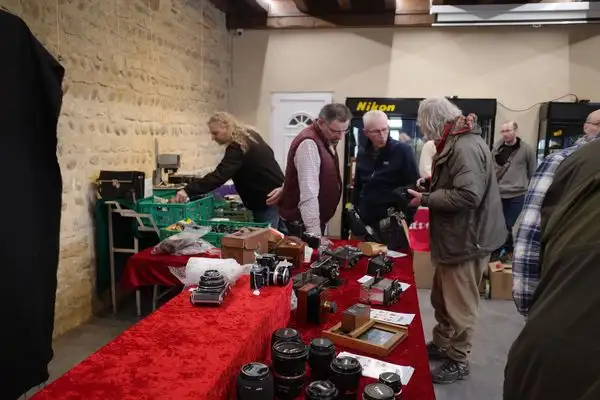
{"x": 373, "y": 115}
{"x": 434, "y": 113}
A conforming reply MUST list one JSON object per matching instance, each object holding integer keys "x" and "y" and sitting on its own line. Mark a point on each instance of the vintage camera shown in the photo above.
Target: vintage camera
{"x": 313, "y": 241}
{"x": 327, "y": 267}
{"x": 314, "y": 306}
{"x": 211, "y": 289}
{"x": 346, "y": 256}
{"x": 306, "y": 277}
{"x": 378, "y": 266}
{"x": 268, "y": 260}
{"x": 385, "y": 292}
{"x": 278, "y": 275}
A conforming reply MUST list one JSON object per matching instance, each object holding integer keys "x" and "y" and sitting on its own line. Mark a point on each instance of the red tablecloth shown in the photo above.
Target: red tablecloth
{"x": 147, "y": 269}
{"x": 180, "y": 351}
{"x": 411, "y": 352}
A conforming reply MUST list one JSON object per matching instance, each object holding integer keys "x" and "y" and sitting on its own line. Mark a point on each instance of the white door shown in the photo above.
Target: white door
{"x": 290, "y": 113}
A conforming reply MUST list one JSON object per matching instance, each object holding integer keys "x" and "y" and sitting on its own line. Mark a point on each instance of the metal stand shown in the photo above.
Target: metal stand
{"x": 115, "y": 207}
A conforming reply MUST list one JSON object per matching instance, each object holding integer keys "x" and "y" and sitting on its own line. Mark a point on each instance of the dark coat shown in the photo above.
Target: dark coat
{"x": 555, "y": 356}
{"x": 30, "y": 102}
{"x": 379, "y": 176}
{"x": 465, "y": 209}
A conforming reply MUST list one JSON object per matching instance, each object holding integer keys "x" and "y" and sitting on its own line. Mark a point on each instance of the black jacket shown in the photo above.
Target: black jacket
{"x": 255, "y": 173}
{"x": 379, "y": 176}
{"x": 30, "y": 103}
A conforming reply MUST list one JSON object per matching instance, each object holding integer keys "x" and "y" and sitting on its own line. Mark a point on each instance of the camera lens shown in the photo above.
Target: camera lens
{"x": 393, "y": 381}
{"x": 254, "y": 382}
{"x": 345, "y": 374}
{"x": 280, "y": 276}
{"x": 288, "y": 388}
{"x": 211, "y": 280}
{"x": 289, "y": 358}
{"x": 378, "y": 391}
{"x": 258, "y": 277}
{"x": 285, "y": 335}
{"x": 321, "y": 353}
{"x": 321, "y": 390}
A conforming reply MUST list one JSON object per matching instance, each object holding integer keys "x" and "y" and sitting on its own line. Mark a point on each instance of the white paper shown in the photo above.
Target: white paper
{"x": 365, "y": 280}
{"x": 392, "y": 317}
{"x": 372, "y": 367}
{"x": 395, "y": 254}
{"x": 148, "y": 187}
{"x": 308, "y": 252}
{"x": 404, "y": 286}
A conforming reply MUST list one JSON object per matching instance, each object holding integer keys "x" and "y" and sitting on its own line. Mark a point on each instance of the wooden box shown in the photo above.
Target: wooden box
{"x": 244, "y": 244}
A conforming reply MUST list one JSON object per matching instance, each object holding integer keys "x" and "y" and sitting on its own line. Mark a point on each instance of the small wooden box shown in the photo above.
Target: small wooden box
{"x": 291, "y": 248}
{"x": 355, "y": 316}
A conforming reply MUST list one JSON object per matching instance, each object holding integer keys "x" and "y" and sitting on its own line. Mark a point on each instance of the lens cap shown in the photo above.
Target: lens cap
{"x": 321, "y": 390}
{"x": 254, "y": 371}
{"x": 378, "y": 391}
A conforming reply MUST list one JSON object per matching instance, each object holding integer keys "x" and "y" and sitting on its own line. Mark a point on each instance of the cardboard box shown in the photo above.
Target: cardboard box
{"x": 244, "y": 244}
{"x": 423, "y": 269}
{"x": 291, "y": 247}
{"x": 500, "y": 281}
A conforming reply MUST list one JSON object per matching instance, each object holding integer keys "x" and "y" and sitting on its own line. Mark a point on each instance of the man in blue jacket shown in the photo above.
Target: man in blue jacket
{"x": 384, "y": 168}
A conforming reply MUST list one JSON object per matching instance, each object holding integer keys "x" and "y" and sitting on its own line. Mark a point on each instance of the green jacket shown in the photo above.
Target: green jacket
{"x": 465, "y": 210}
{"x": 556, "y": 356}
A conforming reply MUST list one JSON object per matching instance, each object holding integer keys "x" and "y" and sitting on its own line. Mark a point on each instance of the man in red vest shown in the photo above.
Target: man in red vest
{"x": 313, "y": 186}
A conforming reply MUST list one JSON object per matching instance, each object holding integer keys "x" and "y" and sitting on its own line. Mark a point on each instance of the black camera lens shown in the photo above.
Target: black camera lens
{"x": 254, "y": 382}
{"x": 280, "y": 276}
{"x": 320, "y": 356}
{"x": 378, "y": 391}
{"x": 258, "y": 277}
{"x": 321, "y": 390}
{"x": 393, "y": 381}
{"x": 345, "y": 374}
{"x": 285, "y": 335}
{"x": 288, "y": 387}
{"x": 289, "y": 358}
{"x": 211, "y": 280}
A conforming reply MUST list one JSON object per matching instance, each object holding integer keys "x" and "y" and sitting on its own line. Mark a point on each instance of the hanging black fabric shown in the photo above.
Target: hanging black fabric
{"x": 30, "y": 205}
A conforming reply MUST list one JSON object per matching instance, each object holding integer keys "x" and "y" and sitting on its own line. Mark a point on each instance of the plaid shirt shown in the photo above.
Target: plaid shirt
{"x": 527, "y": 241}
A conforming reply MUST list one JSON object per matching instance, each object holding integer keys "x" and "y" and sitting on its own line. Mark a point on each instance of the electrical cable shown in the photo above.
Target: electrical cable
{"x": 538, "y": 103}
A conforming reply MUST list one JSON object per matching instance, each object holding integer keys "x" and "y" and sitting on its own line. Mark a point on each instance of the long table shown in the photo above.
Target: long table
{"x": 180, "y": 352}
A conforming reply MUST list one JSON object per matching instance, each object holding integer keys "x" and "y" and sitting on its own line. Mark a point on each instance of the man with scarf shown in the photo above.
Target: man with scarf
{"x": 466, "y": 226}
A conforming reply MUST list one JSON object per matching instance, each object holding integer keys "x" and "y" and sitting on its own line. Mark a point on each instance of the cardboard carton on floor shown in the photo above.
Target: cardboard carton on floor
{"x": 500, "y": 281}
{"x": 244, "y": 244}
{"x": 423, "y": 269}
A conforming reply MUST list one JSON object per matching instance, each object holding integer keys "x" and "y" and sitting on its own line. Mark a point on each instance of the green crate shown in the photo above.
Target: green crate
{"x": 214, "y": 238}
{"x": 170, "y": 213}
{"x": 165, "y": 193}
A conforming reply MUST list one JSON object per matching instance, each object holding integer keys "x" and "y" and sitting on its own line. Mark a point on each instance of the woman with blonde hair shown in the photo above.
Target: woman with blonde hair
{"x": 249, "y": 161}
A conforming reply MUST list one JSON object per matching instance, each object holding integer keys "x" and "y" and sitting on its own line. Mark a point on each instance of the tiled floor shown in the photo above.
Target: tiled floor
{"x": 498, "y": 325}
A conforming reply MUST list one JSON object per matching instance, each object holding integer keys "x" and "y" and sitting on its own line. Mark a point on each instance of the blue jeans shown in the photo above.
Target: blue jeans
{"x": 512, "y": 208}
{"x": 269, "y": 214}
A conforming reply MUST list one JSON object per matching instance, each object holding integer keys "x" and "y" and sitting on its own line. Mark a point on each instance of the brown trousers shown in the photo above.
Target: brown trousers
{"x": 455, "y": 300}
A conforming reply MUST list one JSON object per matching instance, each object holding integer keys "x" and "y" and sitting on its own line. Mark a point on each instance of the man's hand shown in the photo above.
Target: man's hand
{"x": 423, "y": 184}
{"x": 416, "y": 201}
{"x": 275, "y": 196}
{"x": 180, "y": 197}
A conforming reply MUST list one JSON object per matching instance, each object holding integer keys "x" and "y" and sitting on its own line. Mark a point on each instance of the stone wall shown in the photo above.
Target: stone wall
{"x": 136, "y": 70}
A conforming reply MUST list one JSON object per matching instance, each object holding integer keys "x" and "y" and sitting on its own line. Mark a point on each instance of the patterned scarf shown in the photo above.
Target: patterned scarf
{"x": 459, "y": 126}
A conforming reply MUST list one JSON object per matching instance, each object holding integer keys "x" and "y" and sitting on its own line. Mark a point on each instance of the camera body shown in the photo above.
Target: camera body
{"x": 346, "y": 256}
{"x": 269, "y": 270}
{"x": 385, "y": 292}
{"x": 328, "y": 268}
{"x": 211, "y": 289}
{"x": 304, "y": 278}
{"x": 314, "y": 306}
{"x": 379, "y": 265}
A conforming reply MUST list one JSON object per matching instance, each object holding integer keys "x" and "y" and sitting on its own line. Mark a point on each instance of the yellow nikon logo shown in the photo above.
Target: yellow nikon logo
{"x": 372, "y": 105}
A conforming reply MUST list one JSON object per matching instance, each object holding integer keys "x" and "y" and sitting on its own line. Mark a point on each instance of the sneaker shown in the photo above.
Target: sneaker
{"x": 435, "y": 353}
{"x": 450, "y": 371}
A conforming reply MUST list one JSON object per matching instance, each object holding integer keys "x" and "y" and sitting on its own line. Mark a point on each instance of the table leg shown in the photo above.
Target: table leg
{"x": 138, "y": 302}
{"x": 154, "y": 297}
